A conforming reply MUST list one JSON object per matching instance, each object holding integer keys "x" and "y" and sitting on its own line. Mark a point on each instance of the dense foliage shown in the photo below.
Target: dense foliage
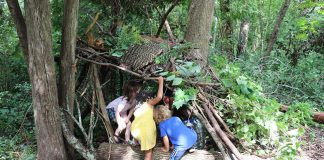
{"x": 292, "y": 73}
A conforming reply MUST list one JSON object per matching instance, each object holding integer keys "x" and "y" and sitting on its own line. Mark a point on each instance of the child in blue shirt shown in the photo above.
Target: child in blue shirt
{"x": 172, "y": 129}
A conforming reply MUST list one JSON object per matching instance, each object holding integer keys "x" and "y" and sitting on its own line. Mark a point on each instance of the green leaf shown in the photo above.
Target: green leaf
{"x": 178, "y": 104}
{"x": 163, "y": 73}
{"x": 179, "y": 94}
{"x": 177, "y": 81}
{"x": 118, "y": 54}
{"x": 183, "y": 71}
{"x": 302, "y": 36}
{"x": 170, "y": 78}
{"x": 231, "y": 121}
{"x": 245, "y": 129}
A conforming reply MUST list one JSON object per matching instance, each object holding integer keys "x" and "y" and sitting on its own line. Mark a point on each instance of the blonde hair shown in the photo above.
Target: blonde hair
{"x": 161, "y": 113}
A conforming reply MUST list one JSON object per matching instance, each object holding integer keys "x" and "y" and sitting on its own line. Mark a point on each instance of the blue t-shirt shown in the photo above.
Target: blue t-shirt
{"x": 179, "y": 134}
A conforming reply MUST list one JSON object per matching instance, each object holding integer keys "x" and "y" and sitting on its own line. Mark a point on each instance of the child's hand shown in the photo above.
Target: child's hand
{"x": 164, "y": 150}
{"x": 126, "y": 120}
{"x": 160, "y": 79}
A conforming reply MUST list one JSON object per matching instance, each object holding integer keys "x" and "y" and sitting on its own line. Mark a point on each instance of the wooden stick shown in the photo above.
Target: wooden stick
{"x": 220, "y": 120}
{"x": 214, "y": 111}
{"x": 92, "y": 23}
{"x": 221, "y": 134}
{"x": 168, "y": 28}
{"x": 74, "y": 142}
{"x": 213, "y": 133}
{"x": 110, "y": 131}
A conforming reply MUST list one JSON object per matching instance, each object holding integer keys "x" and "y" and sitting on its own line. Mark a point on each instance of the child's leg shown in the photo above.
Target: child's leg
{"x": 148, "y": 154}
{"x": 121, "y": 127}
{"x": 127, "y": 132}
{"x": 177, "y": 154}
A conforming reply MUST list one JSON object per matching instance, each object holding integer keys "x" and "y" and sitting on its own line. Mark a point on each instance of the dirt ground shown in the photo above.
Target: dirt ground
{"x": 314, "y": 147}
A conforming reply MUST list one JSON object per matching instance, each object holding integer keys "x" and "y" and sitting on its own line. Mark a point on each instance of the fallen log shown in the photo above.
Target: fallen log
{"x": 317, "y": 116}
{"x": 107, "y": 151}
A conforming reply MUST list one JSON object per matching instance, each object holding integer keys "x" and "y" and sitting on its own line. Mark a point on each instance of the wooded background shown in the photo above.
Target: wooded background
{"x": 235, "y": 63}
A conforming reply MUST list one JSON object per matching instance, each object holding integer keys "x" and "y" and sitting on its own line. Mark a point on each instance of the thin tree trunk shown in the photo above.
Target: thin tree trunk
{"x": 243, "y": 38}
{"x": 275, "y": 32}
{"x": 50, "y": 145}
{"x": 67, "y": 65}
{"x": 19, "y": 21}
{"x": 101, "y": 103}
{"x": 199, "y": 28}
{"x": 165, "y": 16}
{"x": 226, "y": 28}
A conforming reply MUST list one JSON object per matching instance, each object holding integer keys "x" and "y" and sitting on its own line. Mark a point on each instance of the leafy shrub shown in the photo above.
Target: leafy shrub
{"x": 256, "y": 119}
{"x": 10, "y": 149}
{"x": 286, "y": 83}
{"x": 15, "y": 105}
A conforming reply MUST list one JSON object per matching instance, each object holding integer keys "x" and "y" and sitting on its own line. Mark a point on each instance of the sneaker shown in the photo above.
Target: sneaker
{"x": 191, "y": 150}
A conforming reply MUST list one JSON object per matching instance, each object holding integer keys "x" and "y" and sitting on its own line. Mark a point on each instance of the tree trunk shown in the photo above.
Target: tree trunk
{"x": 275, "y": 32}
{"x": 199, "y": 28}
{"x": 19, "y": 21}
{"x": 42, "y": 76}
{"x": 67, "y": 65}
{"x": 243, "y": 38}
{"x": 226, "y": 28}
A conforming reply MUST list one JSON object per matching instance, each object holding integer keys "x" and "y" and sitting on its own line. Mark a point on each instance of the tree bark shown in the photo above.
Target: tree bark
{"x": 19, "y": 21}
{"x": 275, "y": 32}
{"x": 243, "y": 38}
{"x": 199, "y": 28}
{"x": 67, "y": 65}
{"x": 42, "y": 76}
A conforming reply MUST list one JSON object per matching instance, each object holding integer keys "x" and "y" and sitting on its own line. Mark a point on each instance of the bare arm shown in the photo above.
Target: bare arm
{"x": 158, "y": 98}
{"x": 118, "y": 117}
{"x": 166, "y": 143}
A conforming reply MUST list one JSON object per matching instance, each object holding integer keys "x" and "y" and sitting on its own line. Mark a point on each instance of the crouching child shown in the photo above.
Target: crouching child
{"x": 173, "y": 130}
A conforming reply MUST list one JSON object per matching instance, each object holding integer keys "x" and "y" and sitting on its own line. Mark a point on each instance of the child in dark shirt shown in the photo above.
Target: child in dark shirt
{"x": 173, "y": 129}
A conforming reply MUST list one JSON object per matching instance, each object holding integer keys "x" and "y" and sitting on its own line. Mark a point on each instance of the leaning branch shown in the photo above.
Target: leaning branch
{"x": 142, "y": 76}
{"x": 74, "y": 142}
{"x": 165, "y": 17}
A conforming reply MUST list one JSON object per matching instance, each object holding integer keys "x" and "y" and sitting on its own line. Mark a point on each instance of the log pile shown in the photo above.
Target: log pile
{"x": 107, "y": 151}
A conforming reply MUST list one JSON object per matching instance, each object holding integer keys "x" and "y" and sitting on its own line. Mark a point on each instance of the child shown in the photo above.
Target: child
{"x": 118, "y": 108}
{"x": 185, "y": 114}
{"x": 173, "y": 129}
{"x": 143, "y": 128}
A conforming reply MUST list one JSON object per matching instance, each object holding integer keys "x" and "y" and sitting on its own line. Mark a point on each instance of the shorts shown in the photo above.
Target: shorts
{"x": 111, "y": 114}
{"x": 177, "y": 153}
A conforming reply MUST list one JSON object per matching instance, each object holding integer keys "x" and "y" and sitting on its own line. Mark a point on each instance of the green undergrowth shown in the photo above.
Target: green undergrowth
{"x": 255, "y": 119}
